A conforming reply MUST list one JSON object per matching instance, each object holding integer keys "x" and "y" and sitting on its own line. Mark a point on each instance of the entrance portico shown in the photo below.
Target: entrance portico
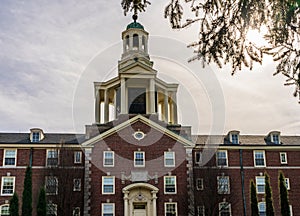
{"x": 140, "y": 200}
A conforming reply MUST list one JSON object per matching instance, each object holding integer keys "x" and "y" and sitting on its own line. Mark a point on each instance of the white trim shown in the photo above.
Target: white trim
{"x": 218, "y": 185}
{"x": 106, "y": 177}
{"x": 256, "y": 180}
{"x": 229, "y": 206}
{"x": 217, "y": 159}
{"x": 74, "y": 185}
{"x": 4, "y": 153}
{"x": 258, "y": 205}
{"x": 173, "y": 158}
{"x": 285, "y": 156}
{"x": 264, "y": 158}
{"x": 201, "y": 185}
{"x": 4, "y": 205}
{"x": 287, "y": 183}
{"x": 14, "y": 185}
{"x": 52, "y": 149}
{"x": 80, "y": 153}
{"x": 113, "y": 159}
{"x": 169, "y": 203}
{"x": 56, "y": 186}
{"x": 144, "y": 159}
{"x": 102, "y": 208}
{"x": 291, "y": 210}
{"x": 175, "y": 184}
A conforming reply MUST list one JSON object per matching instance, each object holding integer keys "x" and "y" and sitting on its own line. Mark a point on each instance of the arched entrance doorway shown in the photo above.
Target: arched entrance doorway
{"x": 140, "y": 200}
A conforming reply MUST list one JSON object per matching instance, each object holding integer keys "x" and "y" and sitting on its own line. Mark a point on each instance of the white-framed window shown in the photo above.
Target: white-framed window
{"x": 77, "y": 184}
{"x": 201, "y": 210}
{"x": 10, "y": 157}
{"x": 108, "y": 209}
{"x": 221, "y": 157}
{"x": 259, "y": 158}
{"x": 275, "y": 138}
{"x": 262, "y": 208}
{"x": 199, "y": 184}
{"x": 108, "y": 158}
{"x": 108, "y": 184}
{"x": 169, "y": 159}
{"x": 171, "y": 209}
{"x": 234, "y": 138}
{"x": 291, "y": 210}
{"x": 51, "y": 185}
{"x": 260, "y": 184}
{"x": 51, "y": 209}
{"x": 223, "y": 185}
{"x": 52, "y": 157}
{"x": 139, "y": 159}
{"x": 7, "y": 185}
{"x": 287, "y": 183}
{"x": 35, "y": 136}
{"x": 198, "y": 157}
{"x": 4, "y": 210}
{"x": 170, "y": 184}
{"x": 76, "y": 211}
{"x": 224, "y": 209}
{"x": 77, "y": 157}
{"x": 283, "y": 158}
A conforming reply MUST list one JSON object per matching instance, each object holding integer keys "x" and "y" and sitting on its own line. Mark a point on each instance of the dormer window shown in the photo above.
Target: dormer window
{"x": 36, "y": 135}
{"x": 234, "y": 137}
{"x": 274, "y": 137}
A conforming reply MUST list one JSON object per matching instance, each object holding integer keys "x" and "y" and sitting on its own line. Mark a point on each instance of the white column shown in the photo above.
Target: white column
{"x": 126, "y": 203}
{"x": 174, "y": 98}
{"x": 154, "y": 197}
{"x": 97, "y": 107}
{"x": 152, "y": 96}
{"x": 106, "y": 106}
{"x": 165, "y": 108}
{"x": 123, "y": 96}
{"x": 140, "y": 43}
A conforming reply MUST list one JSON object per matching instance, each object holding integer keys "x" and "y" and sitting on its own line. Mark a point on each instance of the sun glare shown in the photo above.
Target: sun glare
{"x": 256, "y": 36}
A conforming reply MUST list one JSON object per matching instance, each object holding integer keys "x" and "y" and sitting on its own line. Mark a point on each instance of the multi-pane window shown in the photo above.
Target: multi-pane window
{"x": 76, "y": 211}
{"x": 170, "y": 184}
{"x": 224, "y": 209}
{"x": 287, "y": 183}
{"x": 169, "y": 159}
{"x": 259, "y": 158}
{"x": 35, "y": 136}
{"x": 51, "y": 209}
{"x": 108, "y": 158}
{"x": 108, "y": 185}
{"x": 7, "y": 186}
{"x": 234, "y": 138}
{"x": 51, "y": 185}
{"x": 198, "y": 157}
{"x": 139, "y": 159}
{"x": 260, "y": 184}
{"x": 223, "y": 185}
{"x": 201, "y": 210}
{"x": 199, "y": 183}
{"x": 221, "y": 158}
{"x": 77, "y": 184}
{"x": 262, "y": 208}
{"x": 4, "y": 210}
{"x": 77, "y": 157}
{"x": 108, "y": 209}
{"x": 170, "y": 209}
{"x": 283, "y": 158}
{"x": 10, "y": 157}
{"x": 275, "y": 138}
{"x": 52, "y": 157}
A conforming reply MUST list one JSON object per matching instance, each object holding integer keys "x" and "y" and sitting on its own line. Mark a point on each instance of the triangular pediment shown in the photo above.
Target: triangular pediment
{"x": 137, "y": 68}
{"x": 138, "y": 118}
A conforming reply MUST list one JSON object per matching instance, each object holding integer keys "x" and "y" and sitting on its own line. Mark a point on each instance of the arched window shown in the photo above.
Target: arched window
{"x": 224, "y": 209}
{"x": 135, "y": 41}
{"x": 127, "y": 42}
{"x": 4, "y": 210}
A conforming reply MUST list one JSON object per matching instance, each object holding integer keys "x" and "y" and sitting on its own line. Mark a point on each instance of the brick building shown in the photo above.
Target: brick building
{"x": 137, "y": 160}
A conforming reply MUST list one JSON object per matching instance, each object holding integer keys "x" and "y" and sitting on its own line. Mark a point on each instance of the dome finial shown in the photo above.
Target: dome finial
{"x": 134, "y": 17}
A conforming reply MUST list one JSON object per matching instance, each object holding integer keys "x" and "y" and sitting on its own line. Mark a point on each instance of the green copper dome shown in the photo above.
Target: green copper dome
{"x": 135, "y": 25}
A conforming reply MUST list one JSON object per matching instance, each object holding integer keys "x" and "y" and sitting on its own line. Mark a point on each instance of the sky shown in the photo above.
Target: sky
{"x": 53, "y": 51}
